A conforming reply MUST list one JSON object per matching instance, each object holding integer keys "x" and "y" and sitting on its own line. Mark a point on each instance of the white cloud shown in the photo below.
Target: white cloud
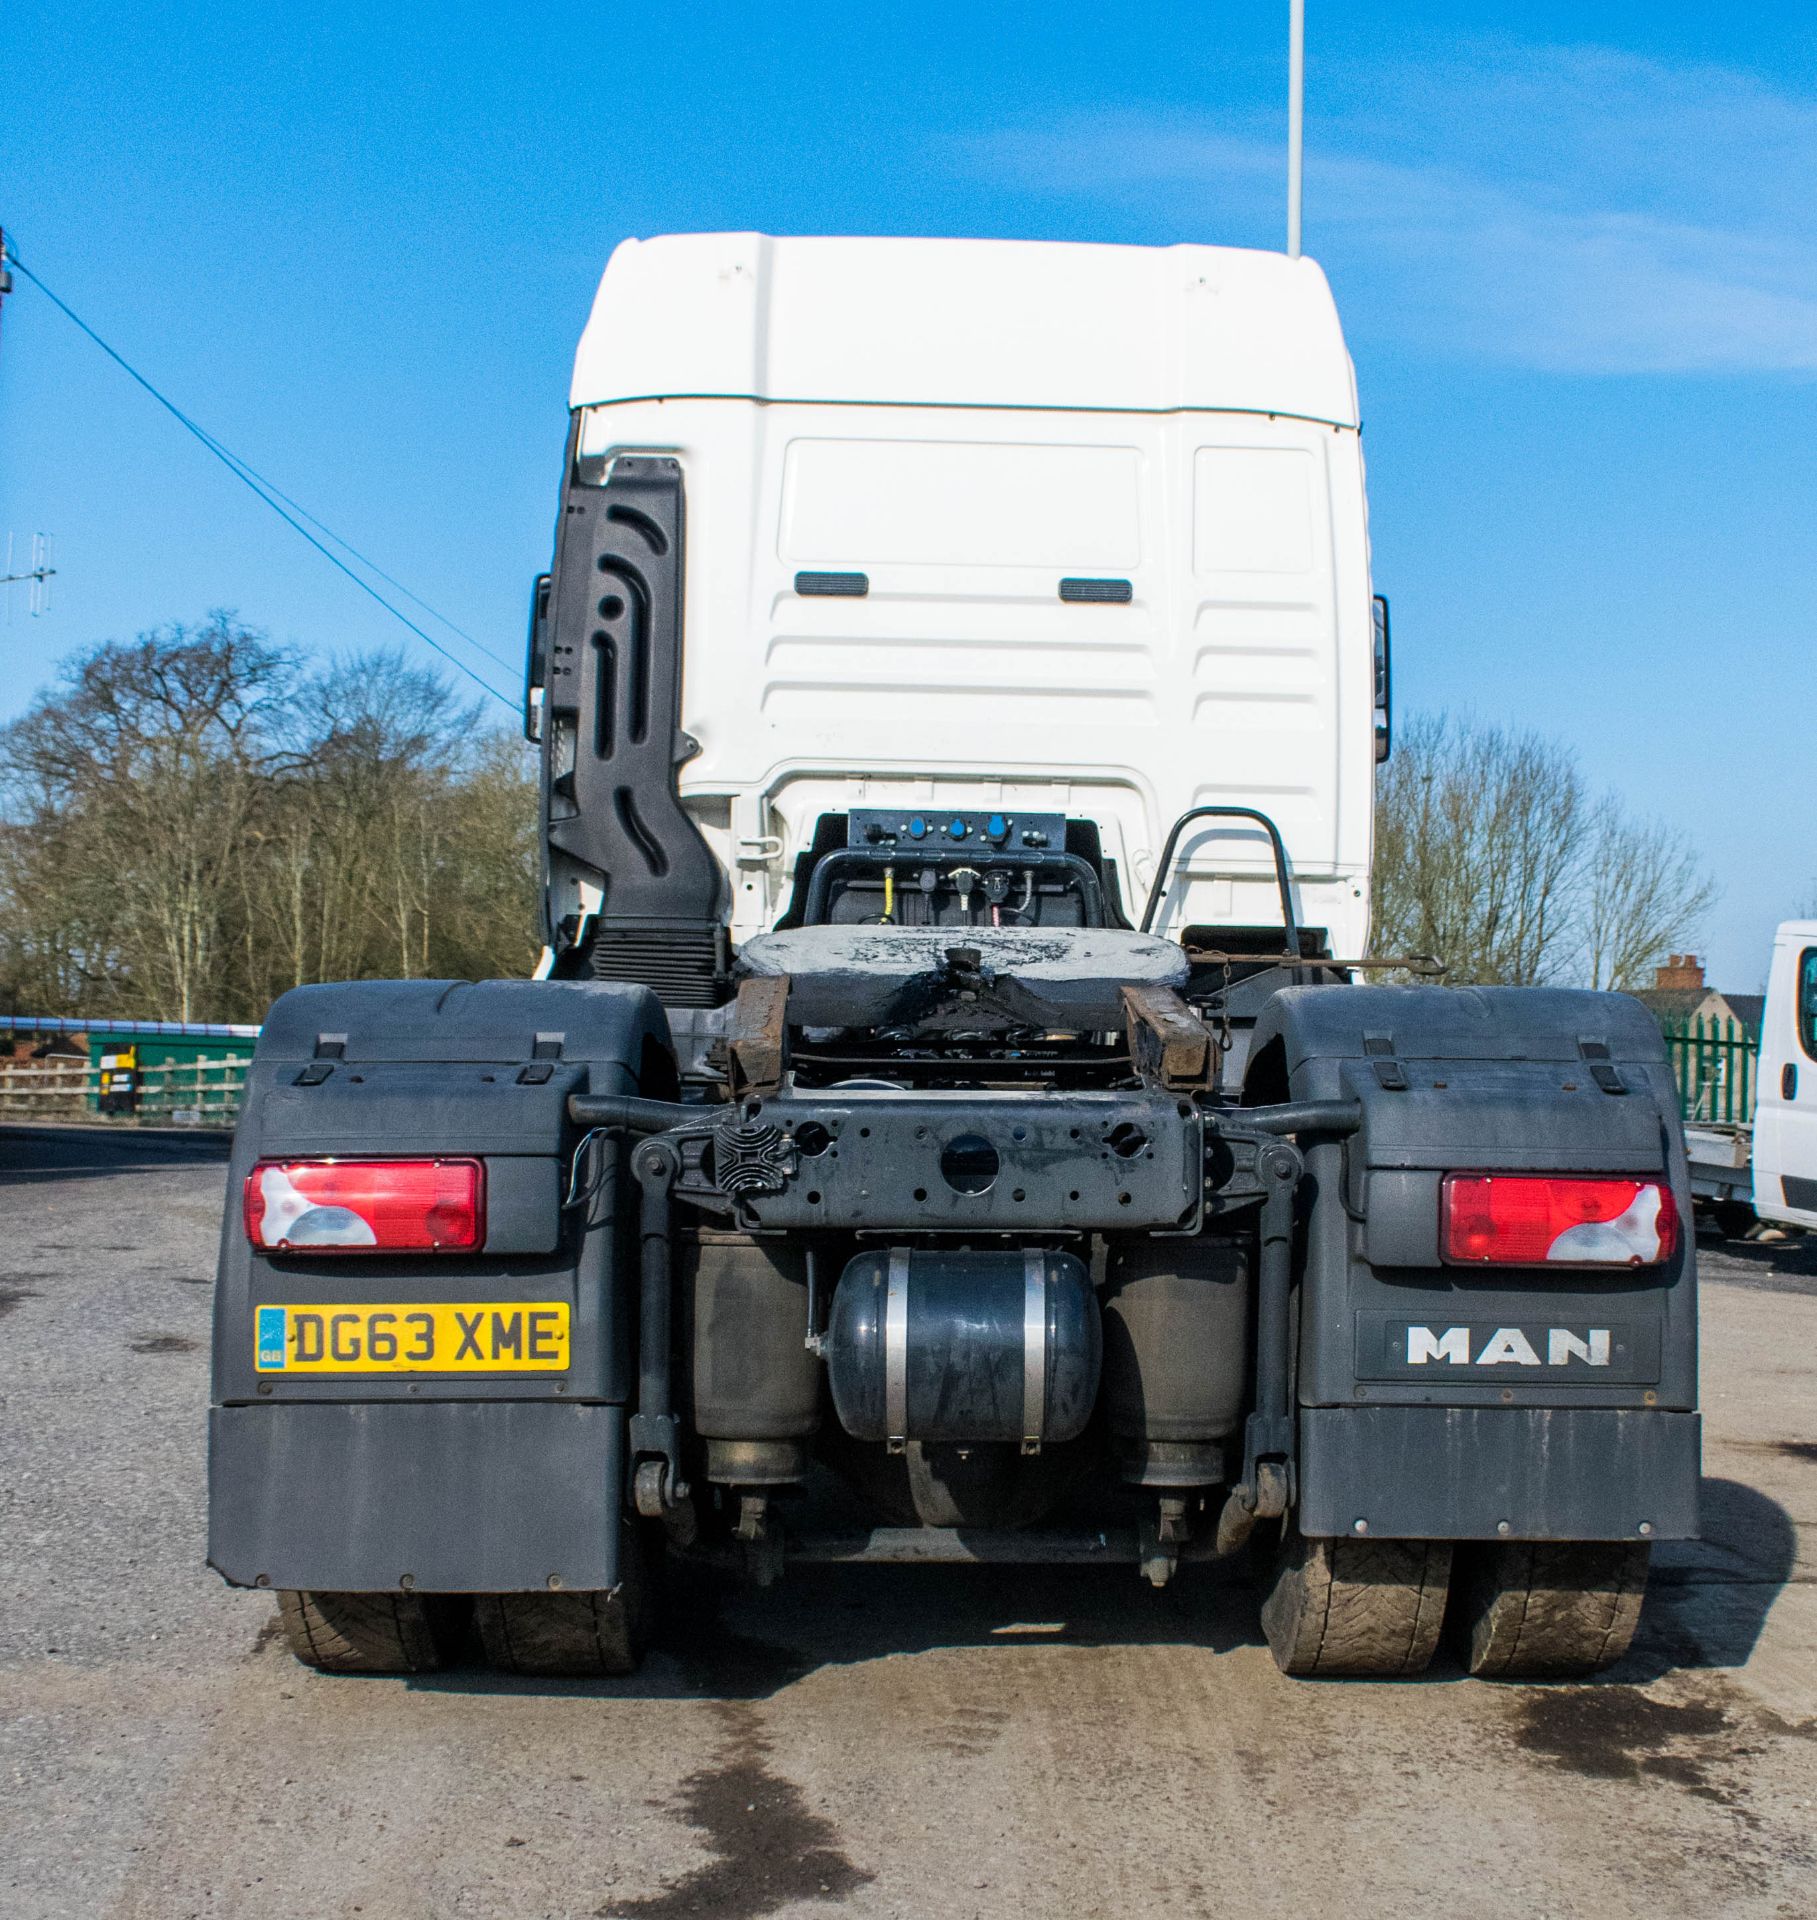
{"x": 1568, "y": 208}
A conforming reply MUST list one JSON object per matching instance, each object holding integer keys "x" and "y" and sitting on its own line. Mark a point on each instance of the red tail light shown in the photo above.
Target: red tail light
{"x": 366, "y": 1206}
{"x": 1574, "y": 1220}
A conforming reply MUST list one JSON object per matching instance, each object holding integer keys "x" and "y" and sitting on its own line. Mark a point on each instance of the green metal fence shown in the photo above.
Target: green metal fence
{"x": 202, "y": 1091}
{"x": 1715, "y": 1064}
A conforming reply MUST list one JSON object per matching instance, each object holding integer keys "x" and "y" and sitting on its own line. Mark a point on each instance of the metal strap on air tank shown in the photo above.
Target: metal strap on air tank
{"x": 1034, "y": 1349}
{"x": 895, "y": 1351}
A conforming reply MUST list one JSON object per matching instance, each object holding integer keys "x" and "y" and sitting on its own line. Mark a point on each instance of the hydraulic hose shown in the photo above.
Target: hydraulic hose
{"x": 629, "y": 1112}
{"x": 1297, "y": 1116}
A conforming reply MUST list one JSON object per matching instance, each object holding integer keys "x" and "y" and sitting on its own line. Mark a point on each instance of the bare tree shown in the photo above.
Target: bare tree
{"x": 492, "y": 870}
{"x": 135, "y": 777}
{"x": 351, "y": 880}
{"x": 1643, "y": 892}
{"x": 1478, "y": 834}
{"x": 1491, "y": 853}
{"x": 189, "y": 825}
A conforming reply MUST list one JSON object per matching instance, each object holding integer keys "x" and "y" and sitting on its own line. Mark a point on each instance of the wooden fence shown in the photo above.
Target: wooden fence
{"x": 202, "y": 1092}
{"x": 1716, "y": 1066}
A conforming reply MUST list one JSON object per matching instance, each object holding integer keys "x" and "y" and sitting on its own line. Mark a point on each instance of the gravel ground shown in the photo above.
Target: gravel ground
{"x": 881, "y": 1741}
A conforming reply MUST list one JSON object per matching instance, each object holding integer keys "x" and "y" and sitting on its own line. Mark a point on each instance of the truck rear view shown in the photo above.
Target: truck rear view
{"x": 959, "y": 688}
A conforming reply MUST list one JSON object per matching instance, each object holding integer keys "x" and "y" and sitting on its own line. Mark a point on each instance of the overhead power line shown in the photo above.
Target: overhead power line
{"x": 288, "y": 510}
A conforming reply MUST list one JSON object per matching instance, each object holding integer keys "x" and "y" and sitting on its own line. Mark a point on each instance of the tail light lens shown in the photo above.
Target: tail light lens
{"x": 366, "y": 1206}
{"x": 1573, "y": 1220}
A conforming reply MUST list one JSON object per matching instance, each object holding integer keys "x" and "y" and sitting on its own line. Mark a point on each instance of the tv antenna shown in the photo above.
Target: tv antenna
{"x": 38, "y": 574}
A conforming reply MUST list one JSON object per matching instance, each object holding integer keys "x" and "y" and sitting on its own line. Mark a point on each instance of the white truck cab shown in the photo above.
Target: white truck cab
{"x": 1006, "y": 525}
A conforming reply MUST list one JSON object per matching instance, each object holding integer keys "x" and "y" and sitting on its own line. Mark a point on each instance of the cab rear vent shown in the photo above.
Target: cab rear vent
{"x": 685, "y": 966}
{"x": 1119, "y": 592}
{"x": 833, "y": 585}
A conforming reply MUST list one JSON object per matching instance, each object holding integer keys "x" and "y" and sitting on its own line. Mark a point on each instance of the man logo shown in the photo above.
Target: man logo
{"x": 1563, "y": 1346}
{"x": 1424, "y": 1345}
{"x": 1508, "y": 1346}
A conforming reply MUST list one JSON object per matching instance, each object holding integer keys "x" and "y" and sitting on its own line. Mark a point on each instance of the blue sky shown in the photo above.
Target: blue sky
{"x": 1575, "y": 249}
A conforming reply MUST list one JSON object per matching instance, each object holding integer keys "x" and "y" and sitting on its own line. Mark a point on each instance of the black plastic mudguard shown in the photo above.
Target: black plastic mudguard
{"x": 1469, "y": 1402}
{"x": 465, "y": 1482}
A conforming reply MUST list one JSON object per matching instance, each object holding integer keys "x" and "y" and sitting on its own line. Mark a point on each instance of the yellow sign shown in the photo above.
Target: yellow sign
{"x": 426, "y": 1336}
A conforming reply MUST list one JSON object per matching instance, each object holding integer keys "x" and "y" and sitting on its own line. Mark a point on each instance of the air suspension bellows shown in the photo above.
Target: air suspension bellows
{"x": 756, "y": 1385}
{"x": 963, "y": 1346}
{"x": 1177, "y": 1343}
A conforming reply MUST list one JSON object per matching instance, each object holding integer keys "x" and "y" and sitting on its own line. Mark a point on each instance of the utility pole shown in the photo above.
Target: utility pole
{"x": 1296, "y": 118}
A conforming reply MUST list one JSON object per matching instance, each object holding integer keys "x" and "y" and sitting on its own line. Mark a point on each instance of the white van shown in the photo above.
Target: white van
{"x": 1785, "y": 1114}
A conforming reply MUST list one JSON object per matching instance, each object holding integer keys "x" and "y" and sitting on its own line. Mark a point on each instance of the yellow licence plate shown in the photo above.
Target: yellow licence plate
{"x": 469, "y": 1336}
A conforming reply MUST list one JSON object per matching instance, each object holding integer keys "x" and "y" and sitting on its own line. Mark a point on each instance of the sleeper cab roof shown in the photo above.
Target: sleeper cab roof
{"x": 965, "y": 323}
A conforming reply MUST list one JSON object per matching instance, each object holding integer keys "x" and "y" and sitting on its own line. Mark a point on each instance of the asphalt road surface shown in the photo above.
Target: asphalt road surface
{"x": 878, "y": 1741}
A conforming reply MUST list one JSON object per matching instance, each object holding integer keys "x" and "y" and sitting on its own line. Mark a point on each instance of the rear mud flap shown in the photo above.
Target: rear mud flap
{"x": 1499, "y": 1473}
{"x": 437, "y": 1497}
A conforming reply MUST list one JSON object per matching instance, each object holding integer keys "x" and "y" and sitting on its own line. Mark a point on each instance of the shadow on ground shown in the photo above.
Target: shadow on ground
{"x": 37, "y": 1155}
{"x": 1786, "y": 1265}
{"x": 724, "y": 1640}
{"x": 1708, "y": 1601}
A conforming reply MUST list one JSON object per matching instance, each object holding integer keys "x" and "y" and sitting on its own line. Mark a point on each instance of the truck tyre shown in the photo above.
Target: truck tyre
{"x": 371, "y": 1632}
{"x": 1355, "y": 1606}
{"x": 1548, "y": 1609}
{"x": 573, "y": 1633}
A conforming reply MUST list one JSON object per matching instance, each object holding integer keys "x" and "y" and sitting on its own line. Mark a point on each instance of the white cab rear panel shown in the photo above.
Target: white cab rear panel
{"x": 820, "y": 430}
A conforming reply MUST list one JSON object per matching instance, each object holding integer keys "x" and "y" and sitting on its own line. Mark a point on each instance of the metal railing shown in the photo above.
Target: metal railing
{"x": 202, "y": 1092}
{"x": 1716, "y": 1066}
{"x": 1714, "y": 1062}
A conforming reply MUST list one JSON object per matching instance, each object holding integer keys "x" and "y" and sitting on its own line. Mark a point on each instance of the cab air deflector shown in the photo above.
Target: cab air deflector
{"x": 613, "y": 739}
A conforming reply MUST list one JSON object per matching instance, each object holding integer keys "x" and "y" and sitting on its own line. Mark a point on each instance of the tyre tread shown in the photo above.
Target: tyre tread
{"x": 1551, "y": 1609}
{"x": 559, "y": 1633}
{"x": 363, "y": 1632}
{"x": 1357, "y": 1606}
{"x": 576, "y": 1631}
